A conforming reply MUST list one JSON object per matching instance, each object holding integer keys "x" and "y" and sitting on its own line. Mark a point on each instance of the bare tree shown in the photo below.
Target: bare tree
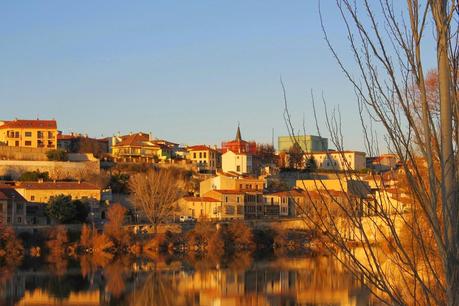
{"x": 405, "y": 235}
{"x": 155, "y": 193}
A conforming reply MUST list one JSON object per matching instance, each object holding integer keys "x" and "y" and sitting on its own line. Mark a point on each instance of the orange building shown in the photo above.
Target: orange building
{"x": 204, "y": 157}
{"x": 29, "y": 133}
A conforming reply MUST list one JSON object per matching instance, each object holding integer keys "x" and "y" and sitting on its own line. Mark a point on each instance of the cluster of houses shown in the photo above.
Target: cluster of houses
{"x": 233, "y": 186}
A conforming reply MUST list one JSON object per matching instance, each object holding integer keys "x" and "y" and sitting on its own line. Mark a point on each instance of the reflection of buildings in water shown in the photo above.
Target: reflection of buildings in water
{"x": 40, "y": 287}
{"x": 286, "y": 281}
{"x": 12, "y": 290}
{"x": 39, "y": 297}
{"x": 300, "y": 281}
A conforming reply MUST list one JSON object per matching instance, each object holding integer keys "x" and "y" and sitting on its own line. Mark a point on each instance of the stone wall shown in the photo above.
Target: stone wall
{"x": 21, "y": 153}
{"x": 57, "y": 170}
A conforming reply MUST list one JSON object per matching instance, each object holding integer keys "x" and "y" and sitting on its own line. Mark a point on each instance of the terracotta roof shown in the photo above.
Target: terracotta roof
{"x": 33, "y": 124}
{"x": 57, "y": 185}
{"x": 199, "y": 148}
{"x": 200, "y": 199}
{"x": 138, "y": 139}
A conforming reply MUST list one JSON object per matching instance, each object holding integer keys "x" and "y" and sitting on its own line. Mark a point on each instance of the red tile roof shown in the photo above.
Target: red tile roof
{"x": 200, "y": 199}
{"x": 57, "y": 185}
{"x": 137, "y": 139}
{"x": 32, "y": 124}
{"x": 200, "y": 148}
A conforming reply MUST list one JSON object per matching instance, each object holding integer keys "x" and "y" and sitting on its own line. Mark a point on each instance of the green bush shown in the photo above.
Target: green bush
{"x": 57, "y": 155}
{"x": 34, "y": 176}
{"x": 64, "y": 210}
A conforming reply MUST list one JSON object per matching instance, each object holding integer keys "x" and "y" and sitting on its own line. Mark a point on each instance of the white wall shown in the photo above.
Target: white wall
{"x": 240, "y": 163}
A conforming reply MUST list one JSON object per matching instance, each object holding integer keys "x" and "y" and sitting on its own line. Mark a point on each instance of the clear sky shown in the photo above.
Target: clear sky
{"x": 186, "y": 71}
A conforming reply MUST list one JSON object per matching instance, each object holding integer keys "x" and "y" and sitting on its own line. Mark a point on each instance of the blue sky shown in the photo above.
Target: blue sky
{"x": 186, "y": 71}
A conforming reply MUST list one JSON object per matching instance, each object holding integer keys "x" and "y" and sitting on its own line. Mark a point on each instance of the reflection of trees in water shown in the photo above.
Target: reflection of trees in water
{"x": 115, "y": 274}
{"x": 158, "y": 289}
{"x": 238, "y": 261}
{"x": 61, "y": 287}
{"x": 237, "y": 279}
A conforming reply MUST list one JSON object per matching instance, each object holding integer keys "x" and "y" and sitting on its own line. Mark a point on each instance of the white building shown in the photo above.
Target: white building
{"x": 236, "y": 162}
{"x": 339, "y": 160}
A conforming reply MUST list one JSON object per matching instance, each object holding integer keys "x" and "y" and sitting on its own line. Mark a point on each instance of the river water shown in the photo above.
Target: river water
{"x": 277, "y": 280}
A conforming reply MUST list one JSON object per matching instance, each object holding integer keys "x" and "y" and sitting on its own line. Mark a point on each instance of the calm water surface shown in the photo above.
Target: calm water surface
{"x": 185, "y": 281}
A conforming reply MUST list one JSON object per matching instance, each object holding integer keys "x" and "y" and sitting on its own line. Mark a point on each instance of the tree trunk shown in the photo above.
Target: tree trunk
{"x": 449, "y": 197}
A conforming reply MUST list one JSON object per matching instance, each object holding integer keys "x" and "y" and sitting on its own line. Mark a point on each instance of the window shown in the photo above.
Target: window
{"x": 238, "y": 168}
{"x": 16, "y": 135}
{"x": 28, "y": 143}
{"x": 205, "y": 155}
{"x": 200, "y": 154}
{"x": 19, "y": 220}
{"x": 28, "y": 134}
{"x": 39, "y": 134}
{"x": 32, "y": 198}
{"x": 237, "y": 199}
{"x": 16, "y": 143}
{"x": 229, "y": 210}
{"x": 240, "y": 210}
{"x": 226, "y": 199}
{"x": 50, "y": 135}
{"x": 194, "y": 155}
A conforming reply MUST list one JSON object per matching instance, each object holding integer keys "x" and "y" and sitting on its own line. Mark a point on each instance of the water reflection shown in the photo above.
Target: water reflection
{"x": 188, "y": 281}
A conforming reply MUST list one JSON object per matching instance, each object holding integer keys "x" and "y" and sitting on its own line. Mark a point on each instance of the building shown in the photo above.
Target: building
{"x": 204, "y": 157}
{"x": 238, "y": 145}
{"x": 353, "y": 186}
{"x": 339, "y": 160}
{"x": 308, "y": 143}
{"x": 291, "y": 203}
{"x": 41, "y": 192}
{"x": 13, "y": 206}
{"x": 29, "y": 133}
{"x": 241, "y": 163}
{"x": 166, "y": 149}
{"x": 232, "y": 203}
{"x": 228, "y": 181}
{"x": 135, "y": 148}
{"x": 382, "y": 163}
{"x": 140, "y": 148}
{"x": 78, "y": 143}
{"x": 201, "y": 208}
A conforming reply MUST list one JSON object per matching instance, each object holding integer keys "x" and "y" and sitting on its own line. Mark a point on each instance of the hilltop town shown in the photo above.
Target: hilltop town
{"x": 238, "y": 180}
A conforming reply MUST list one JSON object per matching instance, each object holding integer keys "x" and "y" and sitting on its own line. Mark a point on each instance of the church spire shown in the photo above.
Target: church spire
{"x": 238, "y": 133}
